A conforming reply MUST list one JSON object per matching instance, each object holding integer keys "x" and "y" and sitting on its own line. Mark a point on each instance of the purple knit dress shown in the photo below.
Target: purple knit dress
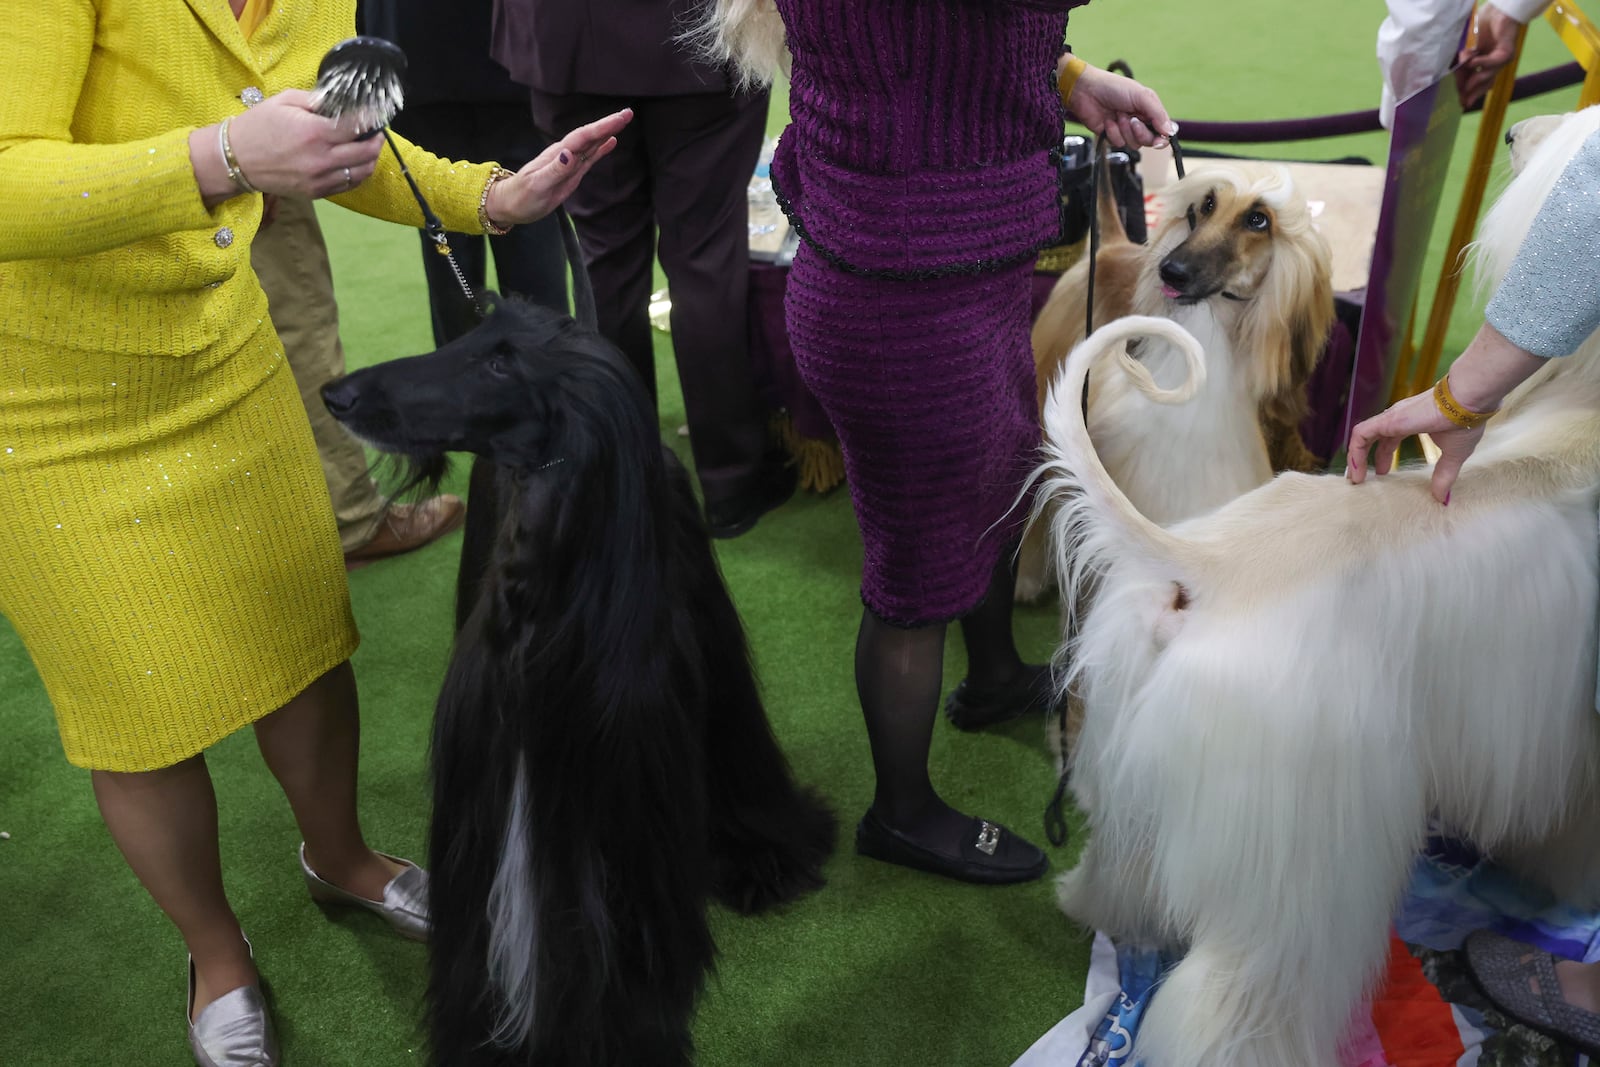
{"x": 917, "y": 170}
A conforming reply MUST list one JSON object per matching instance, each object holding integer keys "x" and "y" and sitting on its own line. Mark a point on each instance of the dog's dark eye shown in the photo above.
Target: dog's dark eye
{"x": 1209, "y": 204}
{"x": 1258, "y": 220}
{"x": 497, "y": 361}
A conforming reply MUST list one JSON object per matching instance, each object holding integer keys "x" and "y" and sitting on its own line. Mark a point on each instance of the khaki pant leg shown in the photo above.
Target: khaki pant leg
{"x": 291, "y": 260}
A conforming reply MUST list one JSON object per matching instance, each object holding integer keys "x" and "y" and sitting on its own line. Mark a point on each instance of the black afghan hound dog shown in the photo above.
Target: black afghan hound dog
{"x": 602, "y": 762}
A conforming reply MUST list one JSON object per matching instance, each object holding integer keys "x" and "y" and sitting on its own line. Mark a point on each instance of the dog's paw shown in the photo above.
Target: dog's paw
{"x": 767, "y": 859}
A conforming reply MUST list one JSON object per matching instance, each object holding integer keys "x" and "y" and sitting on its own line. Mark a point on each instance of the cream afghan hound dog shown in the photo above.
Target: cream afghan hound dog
{"x": 1237, "y": 262}
{"x": 1278, "y": 694}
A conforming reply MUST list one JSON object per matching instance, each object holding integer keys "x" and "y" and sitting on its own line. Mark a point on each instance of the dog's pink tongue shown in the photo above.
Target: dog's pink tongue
{"x": 1170, "y": 293}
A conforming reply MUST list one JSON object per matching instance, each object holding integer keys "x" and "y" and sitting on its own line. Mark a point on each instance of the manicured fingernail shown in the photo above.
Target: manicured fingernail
{"x": 1172, "y": 129}
{"x": 565, "y": 158}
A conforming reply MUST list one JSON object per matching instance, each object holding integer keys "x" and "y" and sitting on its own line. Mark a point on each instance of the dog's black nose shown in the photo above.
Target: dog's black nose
{"x": 339, "y": 398}
{"x": 1176, "y": 273}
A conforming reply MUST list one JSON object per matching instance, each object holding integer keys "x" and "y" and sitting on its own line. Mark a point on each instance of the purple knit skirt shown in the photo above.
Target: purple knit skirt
{"x": 930, "y": 387}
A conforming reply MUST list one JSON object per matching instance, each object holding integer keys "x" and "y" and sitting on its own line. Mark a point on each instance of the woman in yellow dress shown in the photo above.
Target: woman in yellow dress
{"x": 172, "y": 563}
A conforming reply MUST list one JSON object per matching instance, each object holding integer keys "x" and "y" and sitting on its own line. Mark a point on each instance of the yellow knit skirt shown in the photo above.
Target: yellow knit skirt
{"x": 170, "y": 555}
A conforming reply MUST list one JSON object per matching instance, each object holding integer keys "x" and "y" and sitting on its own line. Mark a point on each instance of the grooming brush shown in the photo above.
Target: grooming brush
{"x": 360, "y": 78}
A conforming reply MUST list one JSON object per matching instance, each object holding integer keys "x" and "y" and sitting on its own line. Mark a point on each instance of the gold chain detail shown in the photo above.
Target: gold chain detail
{"x": 499, "y": 174}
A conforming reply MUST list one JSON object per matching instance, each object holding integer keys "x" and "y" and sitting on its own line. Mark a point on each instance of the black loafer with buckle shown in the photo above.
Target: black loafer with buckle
{"x": 990, "y": 854}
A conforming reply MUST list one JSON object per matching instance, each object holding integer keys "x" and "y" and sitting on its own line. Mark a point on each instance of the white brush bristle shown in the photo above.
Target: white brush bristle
{"x": 366, "y": 94}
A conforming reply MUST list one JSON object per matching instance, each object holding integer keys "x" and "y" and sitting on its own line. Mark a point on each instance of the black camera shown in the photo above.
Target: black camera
{"x": 1075, "y": 160}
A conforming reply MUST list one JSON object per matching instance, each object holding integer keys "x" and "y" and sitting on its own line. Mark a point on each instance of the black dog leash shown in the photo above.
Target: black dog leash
{"x": 433, "y": 227}
{"x": 1055, "y": 812}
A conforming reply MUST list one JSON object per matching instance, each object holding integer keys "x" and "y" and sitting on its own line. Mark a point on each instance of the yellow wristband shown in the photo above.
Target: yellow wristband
{"x": 1452, "y": 409}
{"x": 1069, "y": 78}
{"x": 499, "y": 174}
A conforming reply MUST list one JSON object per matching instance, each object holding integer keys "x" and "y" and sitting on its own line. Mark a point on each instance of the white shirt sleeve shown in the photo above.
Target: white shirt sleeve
{"x": 1416, "y": 44}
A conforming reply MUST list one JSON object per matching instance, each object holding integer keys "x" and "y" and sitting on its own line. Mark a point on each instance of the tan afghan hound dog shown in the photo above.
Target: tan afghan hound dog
{"x": 1237, "y": 262}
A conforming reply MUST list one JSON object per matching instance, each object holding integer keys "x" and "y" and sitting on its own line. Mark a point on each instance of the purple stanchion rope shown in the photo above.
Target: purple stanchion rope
{"x": 1349, "y": 122}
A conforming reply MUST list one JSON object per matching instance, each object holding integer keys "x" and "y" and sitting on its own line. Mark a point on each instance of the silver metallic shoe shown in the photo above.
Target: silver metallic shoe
{"x": 235, "y": 1030}
{"x": 405, "y": 898}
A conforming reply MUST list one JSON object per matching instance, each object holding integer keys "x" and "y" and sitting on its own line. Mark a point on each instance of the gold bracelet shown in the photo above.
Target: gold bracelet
{"x": 499, "y": 174}
{"x": 1069, "y": 78}
{"x": 235, "y": 174}
{"x": 1452, "y": 409}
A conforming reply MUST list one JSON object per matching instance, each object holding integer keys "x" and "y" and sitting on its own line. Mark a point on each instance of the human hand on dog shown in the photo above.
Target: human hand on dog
{"x": 1479, "y": 380}
{"x": 1413, "y": 415}
{"x": 1478, "y": 63}
{"x": 1129, "y": 114}
{"x": 283, "y": 147}
{"x": 540, "y": 186}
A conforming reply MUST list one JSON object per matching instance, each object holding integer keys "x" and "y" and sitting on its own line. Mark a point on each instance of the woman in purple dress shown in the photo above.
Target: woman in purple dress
{"x": 917, "y": 170}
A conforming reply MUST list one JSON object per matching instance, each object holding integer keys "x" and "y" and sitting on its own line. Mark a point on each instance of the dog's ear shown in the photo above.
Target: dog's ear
{"x": 1280, "y": 418}
{"x": 1303, "y": 295}
{"x": 1287, "y": 323}
{"x": 1311, "y": 323}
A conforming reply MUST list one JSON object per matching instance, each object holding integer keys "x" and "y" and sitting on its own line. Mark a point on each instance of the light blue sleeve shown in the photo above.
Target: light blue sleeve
{"x": 1549, "y": 301}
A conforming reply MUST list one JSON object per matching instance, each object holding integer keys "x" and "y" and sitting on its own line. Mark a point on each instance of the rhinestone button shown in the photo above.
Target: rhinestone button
{"x": 252, "y": 96}
{"x": 224, "y": 237}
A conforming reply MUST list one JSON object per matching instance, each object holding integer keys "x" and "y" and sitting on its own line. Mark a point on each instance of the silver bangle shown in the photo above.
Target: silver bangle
{"x": 235, "y": 174}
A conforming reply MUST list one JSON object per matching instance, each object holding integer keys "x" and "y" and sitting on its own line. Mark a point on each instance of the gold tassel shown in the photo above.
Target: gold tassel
{"x": 818, "y": 463}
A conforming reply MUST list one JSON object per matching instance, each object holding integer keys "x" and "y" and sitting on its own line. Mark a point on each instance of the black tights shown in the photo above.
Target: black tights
{"x": 899, "y": 678}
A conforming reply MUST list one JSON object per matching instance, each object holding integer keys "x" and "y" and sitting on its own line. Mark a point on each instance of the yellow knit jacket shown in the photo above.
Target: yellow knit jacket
{"x": 105, "y": 244}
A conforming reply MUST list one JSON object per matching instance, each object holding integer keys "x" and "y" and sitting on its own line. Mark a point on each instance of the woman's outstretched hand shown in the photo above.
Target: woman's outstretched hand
{"x": 538, "y": 188}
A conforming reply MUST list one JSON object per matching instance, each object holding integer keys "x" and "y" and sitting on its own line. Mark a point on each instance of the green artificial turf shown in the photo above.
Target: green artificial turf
{"x": 883, "y": 966}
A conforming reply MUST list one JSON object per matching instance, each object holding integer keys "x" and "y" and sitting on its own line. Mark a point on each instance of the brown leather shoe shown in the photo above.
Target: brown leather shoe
{"x": 407, "y": 527}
